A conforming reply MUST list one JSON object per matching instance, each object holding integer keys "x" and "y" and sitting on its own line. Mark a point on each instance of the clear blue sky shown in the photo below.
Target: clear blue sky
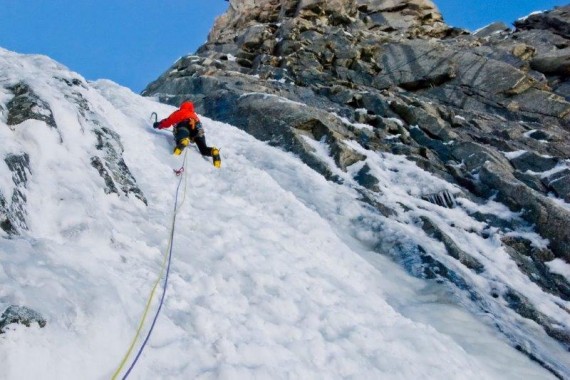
{"x": 133, "y": 42}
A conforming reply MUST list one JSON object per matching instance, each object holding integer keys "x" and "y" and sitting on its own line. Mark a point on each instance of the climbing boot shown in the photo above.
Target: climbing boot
{"x": 180, "y": 146}
{"x": 178, "y": 150}
{"x": 216, "y": 157}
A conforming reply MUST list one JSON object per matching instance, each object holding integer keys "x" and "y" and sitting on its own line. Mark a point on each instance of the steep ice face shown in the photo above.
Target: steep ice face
{"x": 276, "y": 270}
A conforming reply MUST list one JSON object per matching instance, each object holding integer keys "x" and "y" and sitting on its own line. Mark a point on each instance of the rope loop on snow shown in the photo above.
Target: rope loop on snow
{"x": 165, "y": 268}
{"x": 179, "y": 171}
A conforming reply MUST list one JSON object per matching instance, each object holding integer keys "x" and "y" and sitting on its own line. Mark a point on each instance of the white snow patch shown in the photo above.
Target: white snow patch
{"x": 480, "y": 29}
{"x": 515, "y": 154}
{"x": 558, "y": 168}
{"x": 524, "y": 18}
{"x": 528, "y": 133}
{"x": 489, "y": 207}
{"x": 560, "y": 267}
{"x": 363, "y": 126}
{"x": 559, "y": 201}
{"x": 396, "y": 120}
{"x": 265, "y": 96}
{"x": 535, "y": 239}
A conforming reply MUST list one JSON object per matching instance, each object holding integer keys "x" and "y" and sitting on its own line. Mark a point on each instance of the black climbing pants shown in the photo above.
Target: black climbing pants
{"x": 196, "y": 135}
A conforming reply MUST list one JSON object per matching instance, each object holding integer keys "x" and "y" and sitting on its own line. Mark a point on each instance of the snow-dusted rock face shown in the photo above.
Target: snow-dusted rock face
{"x": 372, "y": 60}
{"x": 391, "y": 76}
{"x": 28, "y": 101}
{"x": 349, "y": 57}
{"x": 20, "y": 315}
{"x": 275, "y": 272}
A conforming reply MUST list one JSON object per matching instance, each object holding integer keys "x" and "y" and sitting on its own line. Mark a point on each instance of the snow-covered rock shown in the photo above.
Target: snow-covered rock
{"x": 277, "y": 272}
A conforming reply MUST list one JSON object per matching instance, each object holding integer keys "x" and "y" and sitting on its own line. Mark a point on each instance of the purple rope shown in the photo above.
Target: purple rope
{"x": 165, "y": 284}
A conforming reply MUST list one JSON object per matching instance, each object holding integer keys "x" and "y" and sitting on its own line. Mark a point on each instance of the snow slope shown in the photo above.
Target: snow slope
{"x": 270, "y": 278}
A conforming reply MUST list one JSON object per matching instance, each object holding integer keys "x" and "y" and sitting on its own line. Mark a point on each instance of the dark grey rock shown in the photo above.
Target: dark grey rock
{"x": 531, "y": 260}
{"x": 27, "y": 105}
{"x": 414, "y": 65}
{"x": 413, "y": 18}
{"x": 474, "y": 156}
{"x": 533, "y": 162}
{"x": 112, "y": 168}
{"x": 555, "y": 20}
{"x": 560, "y": 183}
{"x": 540, "y": 103}
{"x": 558, "y": 64}
{"x": 531, "y": 181}
{"x": 5, "y": 222}
{"x": 452, "y": 248}
{"x": 539, "y": 135}
{"x": 13, "y": 213}
{"x": 374, "y": 103}
{"x": 544, "y": 41}
{"x": 562, "y": 88}
{"x": 20, "y": 315}
{"x": 337, "y": 94}
{"x": 491, "y": 29}
{"x": 419, "y": 263}
{"x": 19, "y": 165}
{"x": 525, "y": 308}
{"x": 253, "y": 37}
{"x": 551, "y": 220}
{"x": 435, "y": 145}
{"x": 110, "y": 187}
{"x": 377, "y": 206}
{"x": 72, "y": 82}
{"x": 426, "y": 118}
{"x": 364, "y": 178}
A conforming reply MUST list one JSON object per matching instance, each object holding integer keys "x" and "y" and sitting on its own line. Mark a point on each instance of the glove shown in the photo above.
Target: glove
{"x": 156, "y": 125}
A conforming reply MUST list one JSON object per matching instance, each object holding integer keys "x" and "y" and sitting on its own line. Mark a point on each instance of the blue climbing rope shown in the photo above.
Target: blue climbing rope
{"x": 180, "y": 172}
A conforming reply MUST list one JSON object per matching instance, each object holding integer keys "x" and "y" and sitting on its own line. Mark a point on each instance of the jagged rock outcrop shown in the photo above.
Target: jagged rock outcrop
{"x": 484, "y": 91}
{"x": 112, "y": 167}
{"x": 28, "y": 105}
{"x": 488, "y": 112}
{"x": 13, "y": 211}
{"x": 20, "y": 315}
{"x": 555, "y": 21}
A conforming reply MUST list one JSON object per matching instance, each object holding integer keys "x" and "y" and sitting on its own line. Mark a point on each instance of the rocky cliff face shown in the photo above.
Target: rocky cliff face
{"x": 488, "y": 112}
{"x": 23, "y": 105}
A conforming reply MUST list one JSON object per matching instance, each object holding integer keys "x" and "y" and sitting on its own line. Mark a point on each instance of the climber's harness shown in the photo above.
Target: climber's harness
{"x": 190, "y": 128}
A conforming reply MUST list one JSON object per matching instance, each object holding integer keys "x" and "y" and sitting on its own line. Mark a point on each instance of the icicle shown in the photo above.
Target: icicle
{"x": 443, "y": 198}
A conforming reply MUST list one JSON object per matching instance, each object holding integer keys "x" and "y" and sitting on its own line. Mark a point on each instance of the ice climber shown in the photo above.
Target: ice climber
{"x": 187, "y": 129}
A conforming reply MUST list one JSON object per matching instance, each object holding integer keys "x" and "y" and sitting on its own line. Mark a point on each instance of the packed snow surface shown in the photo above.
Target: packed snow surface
{"x": 268, "y": 281}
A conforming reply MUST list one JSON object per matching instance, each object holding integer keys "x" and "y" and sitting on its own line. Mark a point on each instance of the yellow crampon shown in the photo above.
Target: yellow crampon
{"x": 216, "y": 157}
{"x": 181, "y": 145}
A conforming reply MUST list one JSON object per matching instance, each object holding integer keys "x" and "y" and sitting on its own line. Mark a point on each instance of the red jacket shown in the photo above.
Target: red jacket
{"x": 185, "y": 112}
